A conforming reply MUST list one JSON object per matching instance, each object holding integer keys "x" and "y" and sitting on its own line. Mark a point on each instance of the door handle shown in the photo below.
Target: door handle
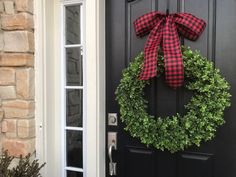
{"x": 112, "y": 165}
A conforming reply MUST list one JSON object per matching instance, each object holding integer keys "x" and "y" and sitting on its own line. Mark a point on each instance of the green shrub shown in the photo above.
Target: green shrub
{"x": 24, "y": 168}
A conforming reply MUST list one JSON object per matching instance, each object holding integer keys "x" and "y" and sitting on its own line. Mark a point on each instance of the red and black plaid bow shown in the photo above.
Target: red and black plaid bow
{"x": 164, "y": 31}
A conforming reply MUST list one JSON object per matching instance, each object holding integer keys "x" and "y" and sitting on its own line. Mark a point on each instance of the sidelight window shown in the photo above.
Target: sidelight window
{"x": 73, "y": 62}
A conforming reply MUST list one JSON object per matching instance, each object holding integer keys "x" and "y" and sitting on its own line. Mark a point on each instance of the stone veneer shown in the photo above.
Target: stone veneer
{"x": 17, "y": 122}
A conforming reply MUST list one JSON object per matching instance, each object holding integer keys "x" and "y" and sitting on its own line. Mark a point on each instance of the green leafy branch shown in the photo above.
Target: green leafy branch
{"x": 24, "y": 168}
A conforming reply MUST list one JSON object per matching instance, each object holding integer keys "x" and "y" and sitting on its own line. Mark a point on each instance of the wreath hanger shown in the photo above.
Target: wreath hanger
{"x": 167, "y": 7}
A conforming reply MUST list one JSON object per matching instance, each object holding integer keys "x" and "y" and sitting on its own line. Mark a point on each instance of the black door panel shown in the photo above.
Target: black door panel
{"x": 216, "y": 158}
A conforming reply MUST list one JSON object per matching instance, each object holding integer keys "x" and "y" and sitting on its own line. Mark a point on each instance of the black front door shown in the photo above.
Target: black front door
{"x": 216, "y": 158}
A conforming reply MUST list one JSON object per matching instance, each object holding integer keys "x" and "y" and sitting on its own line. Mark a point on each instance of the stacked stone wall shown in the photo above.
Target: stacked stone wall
{"x": 17, "y": 98}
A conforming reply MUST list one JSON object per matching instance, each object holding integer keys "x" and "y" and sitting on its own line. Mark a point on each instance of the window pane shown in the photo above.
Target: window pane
{"x": 74, "y": 174}
{"x": 74, "y": 108}
{"x": 74, "y": 67}
{"x": 73, "y": 24}
{"x": 74, "y": 146}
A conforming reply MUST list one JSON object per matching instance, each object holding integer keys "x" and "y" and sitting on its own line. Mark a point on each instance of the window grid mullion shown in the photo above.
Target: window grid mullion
{"x": 73, "y": 46}
{"x": 74, "y": 87}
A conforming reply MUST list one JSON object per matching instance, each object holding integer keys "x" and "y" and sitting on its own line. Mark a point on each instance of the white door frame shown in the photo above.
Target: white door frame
{"x": 48, "y": 87}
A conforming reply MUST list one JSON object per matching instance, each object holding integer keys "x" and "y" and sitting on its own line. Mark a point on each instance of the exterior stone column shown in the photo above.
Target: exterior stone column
{"x": 17, "y": 120}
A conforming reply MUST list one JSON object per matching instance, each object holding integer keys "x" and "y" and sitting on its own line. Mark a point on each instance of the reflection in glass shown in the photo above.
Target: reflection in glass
{"x": 73, "y": 24}
{"x": 74, "y": 174}
{"x": 74, "y": 67}
{"x": 74, "y": 149}
{"x": 74, "y": 108}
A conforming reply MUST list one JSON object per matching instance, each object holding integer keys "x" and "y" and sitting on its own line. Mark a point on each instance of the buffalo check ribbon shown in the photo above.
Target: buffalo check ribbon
{"x": 163, "y": 32}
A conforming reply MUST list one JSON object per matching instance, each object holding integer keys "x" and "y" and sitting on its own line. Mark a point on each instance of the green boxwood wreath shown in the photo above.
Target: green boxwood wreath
{"x": 204, "y": 112}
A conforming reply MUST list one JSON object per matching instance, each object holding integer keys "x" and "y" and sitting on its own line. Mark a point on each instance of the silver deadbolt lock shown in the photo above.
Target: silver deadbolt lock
{"x": 112, "y": 119}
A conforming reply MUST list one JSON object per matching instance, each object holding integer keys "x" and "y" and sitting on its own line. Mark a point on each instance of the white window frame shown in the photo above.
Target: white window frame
{"x": 48, "y": 87}
{"x": 64, "y": 46}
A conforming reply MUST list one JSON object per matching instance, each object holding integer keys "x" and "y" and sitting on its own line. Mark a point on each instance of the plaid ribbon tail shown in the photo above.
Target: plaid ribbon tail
{"x": 149, "y": 69}
{"x": 174, "y": 70}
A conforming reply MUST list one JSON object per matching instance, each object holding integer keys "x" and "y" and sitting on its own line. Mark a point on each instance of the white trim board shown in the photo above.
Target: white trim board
{"x": 48, "y": 85}
{"x": 95, "y": 58}
{"x": 40, "y": 81}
